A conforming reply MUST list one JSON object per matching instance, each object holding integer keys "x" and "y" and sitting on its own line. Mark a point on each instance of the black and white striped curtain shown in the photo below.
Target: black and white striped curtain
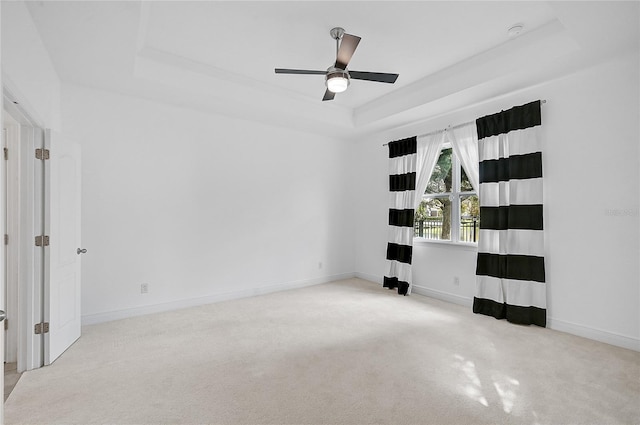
{"x": 402, "y": 185}
{"x": 411, "y": 162}
{"x": 510, "y": 265}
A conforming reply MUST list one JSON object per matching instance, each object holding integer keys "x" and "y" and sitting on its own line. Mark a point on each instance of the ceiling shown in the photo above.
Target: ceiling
{"x": 220, "y": 56}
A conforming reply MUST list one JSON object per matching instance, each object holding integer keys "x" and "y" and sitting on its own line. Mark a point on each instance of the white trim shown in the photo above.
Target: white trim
{"x": 469, "y": 246}
{"x": 29, "y": 268}
{"x": 594, "y": 334}
{"x": 11, "y": 133}
{"x": 371, "y": 278}
{"x": 454, "y": 196}
{"x": 554, "y": 324}
{"x": 16, "y": 104}
{"x": 92, "y": 319}
{"x": 443, "y": 296}
{"x": 33, "y": 261}
{"x": 28, "y": 344}
{"x": 3, "y": 279}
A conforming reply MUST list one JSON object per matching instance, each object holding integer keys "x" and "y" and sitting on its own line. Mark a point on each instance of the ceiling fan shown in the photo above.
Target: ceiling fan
{"x": 337, "y": 77}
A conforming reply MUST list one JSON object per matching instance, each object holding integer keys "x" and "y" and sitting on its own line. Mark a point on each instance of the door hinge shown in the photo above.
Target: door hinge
{"x": 6, "y": 324}
{"x": 41, "y": 328}
{"x": 6, "y": 239}
{"x": 6, "y": 153}
{"x": 42, "y": 240}
{"x": 42, "y": 154}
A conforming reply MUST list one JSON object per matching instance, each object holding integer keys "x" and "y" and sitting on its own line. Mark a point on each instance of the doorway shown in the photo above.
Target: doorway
{"x": 42, "y": 242}
{"x": 23, "y": 214}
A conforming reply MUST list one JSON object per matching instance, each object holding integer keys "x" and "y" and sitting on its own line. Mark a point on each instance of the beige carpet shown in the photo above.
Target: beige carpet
{"x": 347, "y": 352}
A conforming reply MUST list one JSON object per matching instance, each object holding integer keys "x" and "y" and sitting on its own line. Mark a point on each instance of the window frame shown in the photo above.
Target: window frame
{"x": 455, "y": 195}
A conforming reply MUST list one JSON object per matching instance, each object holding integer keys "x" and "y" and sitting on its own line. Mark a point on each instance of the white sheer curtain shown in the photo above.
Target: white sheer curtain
{"x": 429, "y": 148}
{"x": 464, "y": 140}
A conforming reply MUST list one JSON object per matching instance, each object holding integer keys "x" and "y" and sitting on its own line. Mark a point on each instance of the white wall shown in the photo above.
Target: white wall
{"x": 201, "y": 207}
{"x": 163, "y": 204}
{"x": 27, "y": 70}
{"x": 591, "y": 163}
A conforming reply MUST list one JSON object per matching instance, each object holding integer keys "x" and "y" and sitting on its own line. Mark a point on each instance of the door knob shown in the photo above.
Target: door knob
{"x": 81, "y": 251}
{"x": 3, "y": 315}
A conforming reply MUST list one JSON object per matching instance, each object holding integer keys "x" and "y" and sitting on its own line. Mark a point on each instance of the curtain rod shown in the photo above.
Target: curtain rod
{"x": 438, "y": 131}
{"x": 452, "y": 127}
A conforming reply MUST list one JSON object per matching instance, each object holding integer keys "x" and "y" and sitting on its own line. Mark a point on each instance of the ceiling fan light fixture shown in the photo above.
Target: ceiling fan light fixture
{"x": 337, "y": 80}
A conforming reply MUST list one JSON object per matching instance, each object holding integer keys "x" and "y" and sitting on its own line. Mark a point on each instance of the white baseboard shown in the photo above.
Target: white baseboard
{"x": 92, "y": 319}
{"x": 443, "y": 296}
{"x": 594, "y": 334}
{"x": 552, "y": 323}
{"x": 555, "y": 324}
{"x": 422, "y": 290}
{"x": 369, "y": 277}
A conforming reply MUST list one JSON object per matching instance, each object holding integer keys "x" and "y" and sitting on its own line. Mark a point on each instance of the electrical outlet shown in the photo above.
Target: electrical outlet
{"x": 456, "y": 281}
{"x": 144, "y": 288}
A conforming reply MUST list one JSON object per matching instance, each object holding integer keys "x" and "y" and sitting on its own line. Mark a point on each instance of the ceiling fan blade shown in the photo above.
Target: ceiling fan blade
{"x": 380, "y": 77}
{"x": 328, "y": 95}
{"x": 348, "y": 45}
{"x": 299, "y": 71}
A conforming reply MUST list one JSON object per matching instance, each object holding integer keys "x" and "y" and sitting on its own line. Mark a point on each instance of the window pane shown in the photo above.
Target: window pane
{"x": 441, "y": 178}
{"x": 465, "y": 184}
{"x": 433, "y": 219}
{"x": 469, "y": 218}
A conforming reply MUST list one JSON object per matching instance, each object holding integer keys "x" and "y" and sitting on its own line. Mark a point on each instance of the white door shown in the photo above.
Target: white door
{"x": 62, "y": 294}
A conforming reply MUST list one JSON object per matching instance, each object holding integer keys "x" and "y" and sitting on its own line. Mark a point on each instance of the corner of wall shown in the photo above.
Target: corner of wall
{"x": 28, "y": 72}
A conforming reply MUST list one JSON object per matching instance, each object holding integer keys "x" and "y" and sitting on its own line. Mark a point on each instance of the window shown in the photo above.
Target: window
{"x": 449, "y": 210}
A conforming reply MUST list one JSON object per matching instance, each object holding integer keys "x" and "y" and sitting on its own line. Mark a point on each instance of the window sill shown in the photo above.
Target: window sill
{"x": 446, "y": 244}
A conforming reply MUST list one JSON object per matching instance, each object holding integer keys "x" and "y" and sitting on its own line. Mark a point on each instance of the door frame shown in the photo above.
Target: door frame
{"x": 30, "y": 222}
{"x": 11, "y": 186}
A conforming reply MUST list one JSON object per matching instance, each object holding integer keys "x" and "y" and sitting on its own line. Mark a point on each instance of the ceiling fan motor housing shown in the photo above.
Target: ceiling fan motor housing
{"x": 337, "y": 80}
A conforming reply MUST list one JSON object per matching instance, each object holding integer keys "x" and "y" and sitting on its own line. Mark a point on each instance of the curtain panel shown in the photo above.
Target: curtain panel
{"x": 411, "y": 162}
{"x": 510, "y": 265}
{"x": 402, "y": 185}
